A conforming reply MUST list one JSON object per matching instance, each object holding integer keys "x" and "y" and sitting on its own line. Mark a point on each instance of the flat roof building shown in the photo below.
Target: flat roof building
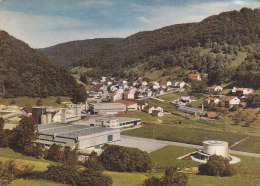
{"x": 76, "y": 136}
{"x": 114, "y": 122}
{"x": 107, "y": 108}
{"x": 189, "y": 110}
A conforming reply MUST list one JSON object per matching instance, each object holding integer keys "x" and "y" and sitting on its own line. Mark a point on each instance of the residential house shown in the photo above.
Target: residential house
{"x": 155, "y": 86}
{"x": 128, "y": 95}
{"x": 212, "y": 115}
{"x": 230, "y": 101}
{"x": 115, "y": 96}
{"x": 242, "y": 91}
{"x": 160, "y": 91}
{"x": 113, "y": 88}
{"x": 194, "y": 77}
{"x": 211, "y": 100}
{"x": 149, "y": 109}
{"x": 144, "y": 83}
{"x": 130, "y": 105}
{"x": 215, "y": 88}
{"x": 157, "y": 113}
{"x": 178, "y": 84}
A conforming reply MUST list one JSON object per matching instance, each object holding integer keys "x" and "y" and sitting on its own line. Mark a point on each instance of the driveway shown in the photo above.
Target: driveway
{"x": 146, "y": 144}
{"x": 150, "y": 145}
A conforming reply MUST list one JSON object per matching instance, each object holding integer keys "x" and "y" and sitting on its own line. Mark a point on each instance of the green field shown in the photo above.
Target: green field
{"x": 170, "y": 96}
{"x": 166, "y": 157}
{"x": 145, "y": 117}
{"x": 195, "y": 136}
{"x": 21, "y": 160}
{"x": 247, "y": 169}
{"x": 24, "y": 101}
{"x": 22, "y": 182}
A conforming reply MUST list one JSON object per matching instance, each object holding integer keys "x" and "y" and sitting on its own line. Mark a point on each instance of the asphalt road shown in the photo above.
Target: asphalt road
{"x": 150, "y": 145}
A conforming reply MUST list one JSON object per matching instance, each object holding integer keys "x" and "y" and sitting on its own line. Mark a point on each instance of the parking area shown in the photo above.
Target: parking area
{"x": 143, "y": 144}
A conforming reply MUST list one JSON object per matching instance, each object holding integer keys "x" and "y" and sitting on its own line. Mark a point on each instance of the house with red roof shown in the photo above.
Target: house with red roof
{"x": 215, "y": 88}
{"x": 242, "y": 91}
{"x": 230, "y": 101}
{"x": 150, "y": 108}
{"x": 128, "y": 95}
{"x": 157, "y": 113}
{"x": 212, "y": 115}
{"x": 194, "y": 77}
{"x": 211, "y": 100}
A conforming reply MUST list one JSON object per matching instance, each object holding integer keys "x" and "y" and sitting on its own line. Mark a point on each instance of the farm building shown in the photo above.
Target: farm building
{"x": 189, "y": 110}
{"x": 76, "y": 136}
{"x": 107, "y": 108}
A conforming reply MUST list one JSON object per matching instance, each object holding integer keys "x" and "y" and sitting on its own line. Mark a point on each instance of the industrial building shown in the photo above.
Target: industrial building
{"x": 42, "y": 115}
{"x": 211, "y": 147}
{"x": 76, "y": 136}
{"x": 107, "y": 108}
{"x": 114, "y": 122}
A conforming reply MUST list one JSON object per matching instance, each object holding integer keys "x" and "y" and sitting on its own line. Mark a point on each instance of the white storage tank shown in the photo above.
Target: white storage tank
{"x": 216, "y": 147}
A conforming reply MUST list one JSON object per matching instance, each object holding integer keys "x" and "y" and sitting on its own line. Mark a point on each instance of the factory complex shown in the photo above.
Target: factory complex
{"x": 76, "y": 136}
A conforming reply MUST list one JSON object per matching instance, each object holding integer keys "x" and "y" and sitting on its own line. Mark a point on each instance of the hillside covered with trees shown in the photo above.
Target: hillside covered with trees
{"x": 26, "y": 72}
{"x": 224, "y": 46}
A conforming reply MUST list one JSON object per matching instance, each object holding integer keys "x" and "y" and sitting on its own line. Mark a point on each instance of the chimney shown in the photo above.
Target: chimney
{"x": 63, "y": 115}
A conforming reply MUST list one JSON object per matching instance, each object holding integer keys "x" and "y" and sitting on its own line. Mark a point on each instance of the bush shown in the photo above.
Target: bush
{"x": 90, "y": 177}
{"x": 123, "y": 159}
{"x": 34, "y": 150}
{"x": 216, "y": 166}
{"x": 93, "y": 163}
{"x": 152, "y": 181}
{"x": 171, "y": 177}
{"x": 8, "y": 171}
{"x": 62, "y": 173}
{"x": 54, "y": 153}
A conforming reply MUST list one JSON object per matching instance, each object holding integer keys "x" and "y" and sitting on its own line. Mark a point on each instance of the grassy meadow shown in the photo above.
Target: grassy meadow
{"x": 196, "y": 136}
{"x": 247, "y": 169}
{"x": 25, "y": 101}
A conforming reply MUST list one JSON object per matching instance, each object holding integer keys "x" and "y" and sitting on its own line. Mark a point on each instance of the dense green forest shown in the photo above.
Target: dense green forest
{"x": 224, "y": 46}
{"x": 26, "y": 72}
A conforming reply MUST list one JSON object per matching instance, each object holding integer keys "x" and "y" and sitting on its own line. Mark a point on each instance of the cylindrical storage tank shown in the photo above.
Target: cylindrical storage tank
{"x": 219, "y": 148}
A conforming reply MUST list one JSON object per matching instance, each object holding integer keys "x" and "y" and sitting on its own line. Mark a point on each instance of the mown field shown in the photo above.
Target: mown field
{"x": 170, "y": 96}
{"x": 247, "y": 169}
{"x": 196, "y": 136}
{"x": 24, "y": 101}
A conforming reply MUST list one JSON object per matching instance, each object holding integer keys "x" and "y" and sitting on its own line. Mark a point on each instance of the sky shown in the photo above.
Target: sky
{"x": 43, "y": 23}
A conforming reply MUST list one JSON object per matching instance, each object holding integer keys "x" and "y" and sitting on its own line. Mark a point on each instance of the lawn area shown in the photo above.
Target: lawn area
{"x": 225, "y": 91}
{"x": 145, "y": 117}
{"x": 129, "y": 179}
{"x": 170, "y": 96}
{"x": 166, "y": 106}
{"x": 195, "y": 136}
{"x": 34, "y": 183}
{"x": 166, "y": 157}
{"x": 23, "y": 101}
{"x": 20, "y": 160}
{"x": 247, "y": 169}
{"x": 197, "y": 104}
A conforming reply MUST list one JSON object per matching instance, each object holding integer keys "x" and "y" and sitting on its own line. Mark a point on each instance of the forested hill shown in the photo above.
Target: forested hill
{"x": 26, "y": 72}
{"x": 225, "y": 46}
